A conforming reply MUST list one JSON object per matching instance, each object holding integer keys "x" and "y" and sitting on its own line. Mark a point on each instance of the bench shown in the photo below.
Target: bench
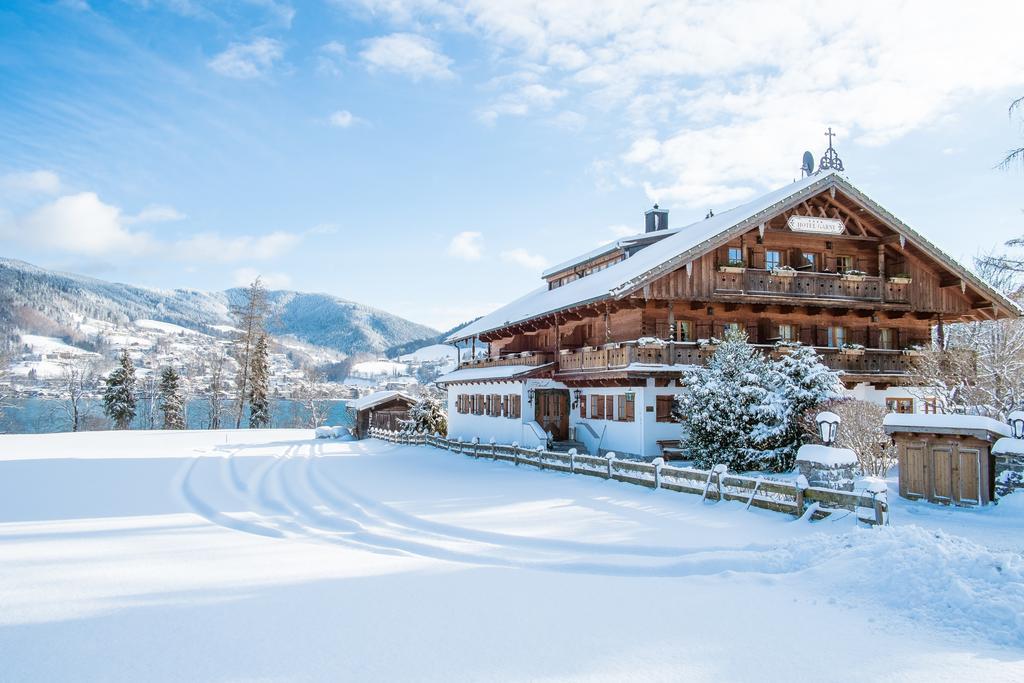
{"x": 671, "y": 449}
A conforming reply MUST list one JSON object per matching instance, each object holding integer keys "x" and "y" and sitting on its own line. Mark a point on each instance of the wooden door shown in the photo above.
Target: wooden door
{"x": 969, "y": 482}
{"x": 914, "y": 471}
{"x": 942, "y": 473}
{"x": 552, "y": 412}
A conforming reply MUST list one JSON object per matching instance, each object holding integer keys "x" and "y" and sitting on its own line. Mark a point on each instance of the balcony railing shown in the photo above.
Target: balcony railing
{"x": 807, "y": 285}
{"x": 519, "y": 358}
{"x": 623, "y": 355}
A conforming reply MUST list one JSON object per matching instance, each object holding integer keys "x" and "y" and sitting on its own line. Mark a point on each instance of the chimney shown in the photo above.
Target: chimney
{"x": 655, "y": 219}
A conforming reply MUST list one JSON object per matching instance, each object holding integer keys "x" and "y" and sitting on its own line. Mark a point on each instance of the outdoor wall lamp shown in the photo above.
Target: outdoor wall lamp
{"x": 1017, "y": 424}
{"x": 529, "y": 396}
{"x": 828, "y": 427}
{"x": 576, "y": 398}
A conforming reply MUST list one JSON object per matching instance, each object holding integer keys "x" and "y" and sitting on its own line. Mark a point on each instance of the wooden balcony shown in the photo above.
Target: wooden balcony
{"x": 522, "y": 358}
{"x": 629, "y": 356}
{"x": 807, "y": 285}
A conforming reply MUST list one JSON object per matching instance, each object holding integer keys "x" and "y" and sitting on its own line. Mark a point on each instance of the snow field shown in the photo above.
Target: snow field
{"x": 272, "y": 555}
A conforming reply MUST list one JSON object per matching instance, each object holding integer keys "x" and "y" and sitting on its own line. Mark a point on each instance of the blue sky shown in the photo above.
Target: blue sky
{"x": 430, "y": 157}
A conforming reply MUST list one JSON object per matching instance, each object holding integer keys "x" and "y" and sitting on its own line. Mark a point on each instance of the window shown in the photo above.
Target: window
{"x": 885, "y": 338}
{"x": 735, "y": 257}
{"x": 809, "y": 261}
{"x": 583, "y": 406}
{"x": 772, "y": 259}
{"x": 787, "y": 332}
{"x": 899, "y": 405}
{"x": 663, "y": 408}
{"x": 931, "y": 406}
{"x": 597, "y": 407}
{"x": 844, "y": 263}
{"x": 734, "y": 327}
{"x": 836, "y": 336}
{"x": 683, "y": 330}
{"x": 627, "y": 407}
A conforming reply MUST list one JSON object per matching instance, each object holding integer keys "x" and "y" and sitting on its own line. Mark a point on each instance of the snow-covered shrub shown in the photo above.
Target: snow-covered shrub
{"x": 860, "y": 430}
{"x": 428, "y": 416}
{"x": 744, "y": 410}
{"x": 1008, "y": 481}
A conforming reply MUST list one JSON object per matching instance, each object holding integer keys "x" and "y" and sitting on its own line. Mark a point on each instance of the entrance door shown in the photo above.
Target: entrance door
{"x": 969, "y": 484}
{"x": 551, "y": 410}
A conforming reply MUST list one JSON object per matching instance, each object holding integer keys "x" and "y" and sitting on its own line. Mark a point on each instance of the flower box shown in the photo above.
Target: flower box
{"x": 913, "y": 352}
{"x": 783, "y": 272}
{"x": 900, "y": 280}
{"x": 851, "y": 351}
{"x": 853, "y": 277}
{"x": 731, "y": 269}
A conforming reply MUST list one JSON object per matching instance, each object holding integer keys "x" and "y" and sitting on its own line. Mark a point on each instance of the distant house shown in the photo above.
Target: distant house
{"x": 382, "y": 409}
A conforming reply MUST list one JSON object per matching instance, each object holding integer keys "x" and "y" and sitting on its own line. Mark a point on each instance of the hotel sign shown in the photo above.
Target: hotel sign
{"x": 822, "y": 226}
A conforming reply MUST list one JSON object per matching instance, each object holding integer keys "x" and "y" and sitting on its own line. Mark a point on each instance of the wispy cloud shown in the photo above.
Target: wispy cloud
{"x": 467, "y": 245}
{"x": 331, "y": 58}
{"x": 155, "y": 213}
{"x": 31, "y": 182}
{"x": 342, "y": 118}
{"x": 521, "y": 257}
{"x": 408, "y": 54}
{"x": 248, "y": 60}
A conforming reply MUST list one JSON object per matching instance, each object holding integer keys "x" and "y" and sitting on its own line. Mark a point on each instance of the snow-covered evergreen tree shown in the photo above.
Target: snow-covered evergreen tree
{"x": 171, "y": 402}
{"x": 259, "y": 385}
{"x": 428, "y": 416}
{"x": 119, "y": 392}
{"x": 724, "y": 404}
{"x": 803, "y": 383}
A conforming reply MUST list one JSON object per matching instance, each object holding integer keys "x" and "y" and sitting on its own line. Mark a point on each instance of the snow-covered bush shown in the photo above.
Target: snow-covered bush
{"x": 1008, "y": 481}
{"x": 428, "y": 416}
{"x": 744, "y": 410}
{"x": 860, "y": 430}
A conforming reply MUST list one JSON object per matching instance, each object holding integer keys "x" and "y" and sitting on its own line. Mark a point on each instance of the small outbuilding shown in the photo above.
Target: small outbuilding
{"x": 946, "y": 458}
{"x": 381, "y": 409}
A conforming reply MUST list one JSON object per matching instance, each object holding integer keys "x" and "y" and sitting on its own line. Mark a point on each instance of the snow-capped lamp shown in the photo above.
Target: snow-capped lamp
{"x": 828, "y": 426}
{"x": 1016, "y": 420}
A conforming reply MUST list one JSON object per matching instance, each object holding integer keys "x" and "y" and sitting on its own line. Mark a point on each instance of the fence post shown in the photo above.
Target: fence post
{"x": 611, "y": 459}
{"x": 494, "y": 449}
{"x": 515, "y": 453}
{"x": 572, "y": 461}
{"x": 657, "y": 462}
{"x": 476, "y": 446}
{"x": 801, "y": 484}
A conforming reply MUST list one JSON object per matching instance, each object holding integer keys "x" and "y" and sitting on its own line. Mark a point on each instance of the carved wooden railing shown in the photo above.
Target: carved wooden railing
{"x": 810, "y": 285}
{"x": 521, "y": 358}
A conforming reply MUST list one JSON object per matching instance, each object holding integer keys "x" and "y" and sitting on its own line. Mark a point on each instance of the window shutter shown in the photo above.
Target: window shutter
{"x": 583, "y": 406}
{"x": 631, "y": 409}
{"x": 609, "y": 407}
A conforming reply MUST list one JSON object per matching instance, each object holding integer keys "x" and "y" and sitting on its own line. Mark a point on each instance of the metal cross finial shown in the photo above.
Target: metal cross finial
{"x": 831, "y": 158}
{"x": 830, "y": 134}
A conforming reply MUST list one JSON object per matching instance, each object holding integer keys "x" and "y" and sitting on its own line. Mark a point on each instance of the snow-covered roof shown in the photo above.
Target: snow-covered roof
{"x": 688, "y": 243}
{"x": 1008, "y": 446}
{"x": 608, "y": 248}
{"x": 942, "y": 424}
{"x": 495, "y": 372}
{"x": 379, "y": 397}
{"x": 826, "y": 455}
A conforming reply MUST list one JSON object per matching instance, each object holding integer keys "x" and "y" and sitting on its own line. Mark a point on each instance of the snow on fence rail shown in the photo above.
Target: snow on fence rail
{"x": 716, "y": 484}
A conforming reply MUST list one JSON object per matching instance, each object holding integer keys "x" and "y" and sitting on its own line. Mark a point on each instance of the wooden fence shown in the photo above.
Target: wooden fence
{"x": 768, "y": 494}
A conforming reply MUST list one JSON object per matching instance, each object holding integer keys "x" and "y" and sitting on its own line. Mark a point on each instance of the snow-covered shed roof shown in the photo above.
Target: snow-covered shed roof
{"x": 944, "y": 424}
{"x": 826, "y": 455}
{"x": 692, "y": 241}
{"x": 497, "y": 372}
{"x": 379, "y": 397}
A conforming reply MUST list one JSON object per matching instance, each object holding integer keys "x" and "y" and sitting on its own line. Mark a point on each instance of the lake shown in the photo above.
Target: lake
{"x": 43, "y": 415}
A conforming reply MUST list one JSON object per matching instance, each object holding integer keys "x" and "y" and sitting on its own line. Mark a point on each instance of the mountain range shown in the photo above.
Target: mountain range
{"x": 34, "y": 300}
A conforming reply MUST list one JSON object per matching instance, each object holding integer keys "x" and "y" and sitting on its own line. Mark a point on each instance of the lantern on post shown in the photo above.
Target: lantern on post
{"x": 1017, "y": 423}
{"x": 828, "y": 427}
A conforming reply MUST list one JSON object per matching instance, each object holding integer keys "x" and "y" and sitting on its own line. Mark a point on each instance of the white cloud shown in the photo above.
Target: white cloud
{"x": 521, "y": 101}
{"x": 408, "y": 54}
{"x": 715, "y": 101}
{"x": 31, "y": 182}
{"x": 155, "y": 213}
{"x": 80, "y": 223}
{"x": 243, "y": 277}
{"x": 342, "y": 118}
{"x": 213, "y": 247}
{"x": 569, "y": 120}
{"x": 521, "y": 257}
{"x": 248, "y": 60}
{"x": 84, "y": 224}
{"x": 467, "y": 245}
{"x": 332, "y": 58}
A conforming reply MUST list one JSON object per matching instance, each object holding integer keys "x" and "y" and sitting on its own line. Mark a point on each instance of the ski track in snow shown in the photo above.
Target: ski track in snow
{"x": 291, "y": 495}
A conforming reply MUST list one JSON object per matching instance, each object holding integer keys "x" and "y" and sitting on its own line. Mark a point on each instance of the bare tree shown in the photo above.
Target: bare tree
{"x": 1017, "y": 154}
{"x": 251, "y": 319}
{"x": 312, "y": 397}
{"x": 215, "y": 365}
{"x": 78, "y": 378}
{"x": 6, "y": 390}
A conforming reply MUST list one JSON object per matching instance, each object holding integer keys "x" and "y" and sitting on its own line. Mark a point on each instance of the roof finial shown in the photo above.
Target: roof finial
{"x": 830, "y": 159}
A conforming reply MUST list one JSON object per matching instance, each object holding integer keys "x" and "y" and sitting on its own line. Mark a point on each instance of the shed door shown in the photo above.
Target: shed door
{"x": 970, "y": 475}
{"x": 915, "y": 470}
{"x": 942, "y": 473}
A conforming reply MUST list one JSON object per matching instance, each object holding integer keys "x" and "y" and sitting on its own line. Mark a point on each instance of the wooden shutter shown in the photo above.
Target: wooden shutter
{"x": 630, "y": 405}
{"x": 621, "y": 400}
{"x": 596, "y": 407}
{"x": 663, "y": 409}
{"x": 609, "y": 407}
{"x": 583, "y": 406}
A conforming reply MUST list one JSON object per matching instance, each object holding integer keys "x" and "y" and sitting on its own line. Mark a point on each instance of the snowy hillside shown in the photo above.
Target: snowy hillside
{"x": 267, "y": 555}
{"x": 49, "y": 303}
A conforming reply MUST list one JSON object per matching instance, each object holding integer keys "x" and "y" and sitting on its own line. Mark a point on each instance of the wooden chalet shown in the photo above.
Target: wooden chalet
{"x": 593, "y": 357}
{"x": 381, "y": 410}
